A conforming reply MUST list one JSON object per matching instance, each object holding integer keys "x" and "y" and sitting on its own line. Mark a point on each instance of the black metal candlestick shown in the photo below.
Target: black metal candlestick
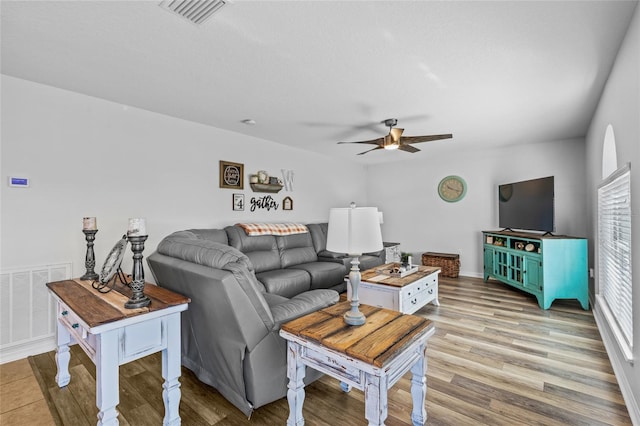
{"x": 138, "y": 298}
{"x": 90, "y": 259}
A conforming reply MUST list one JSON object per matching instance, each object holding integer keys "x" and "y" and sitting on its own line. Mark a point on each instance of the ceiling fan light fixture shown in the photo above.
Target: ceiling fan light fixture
{"x": 394, "y": 140}
{"x": 390, "y": 142}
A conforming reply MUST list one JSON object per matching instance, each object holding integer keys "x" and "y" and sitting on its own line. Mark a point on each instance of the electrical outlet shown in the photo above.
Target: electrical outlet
{"x": 590, "y": 272}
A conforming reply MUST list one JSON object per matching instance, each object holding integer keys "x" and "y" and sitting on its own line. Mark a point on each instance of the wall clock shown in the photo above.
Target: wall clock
{"x": 452, "y": 189}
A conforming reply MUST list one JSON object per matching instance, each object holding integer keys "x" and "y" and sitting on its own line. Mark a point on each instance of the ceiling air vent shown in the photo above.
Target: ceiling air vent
{"x": 196, "y": 11}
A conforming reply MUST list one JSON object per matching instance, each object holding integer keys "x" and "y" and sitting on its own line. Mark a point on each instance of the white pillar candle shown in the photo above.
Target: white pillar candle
{"x": 137, "y": 227}
{"x": 89, "y": 224}
{"x": 410, "y": 261}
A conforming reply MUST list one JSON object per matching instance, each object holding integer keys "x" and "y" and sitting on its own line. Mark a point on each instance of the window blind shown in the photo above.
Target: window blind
{"x": 614, "y": 254}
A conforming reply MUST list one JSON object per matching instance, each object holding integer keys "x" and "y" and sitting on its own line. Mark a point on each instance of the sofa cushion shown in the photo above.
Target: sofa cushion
{"x": 285, "y": 282}
{"x": 296, "y": 249}
{"x": 262, "y": 250}
{"x": 323, "y": 274}
{"x": 318, "y": 233}
{"x": 187, "y": 246}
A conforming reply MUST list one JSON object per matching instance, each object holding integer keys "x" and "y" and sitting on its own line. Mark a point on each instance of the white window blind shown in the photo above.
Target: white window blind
{"x": 614, "y": 255}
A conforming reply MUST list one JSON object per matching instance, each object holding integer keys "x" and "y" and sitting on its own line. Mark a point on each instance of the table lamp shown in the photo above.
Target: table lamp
{"x": 354, "y": 230}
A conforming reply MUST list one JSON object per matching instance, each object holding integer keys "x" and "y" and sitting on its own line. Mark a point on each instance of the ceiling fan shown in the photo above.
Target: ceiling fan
{"x": 395, "y": 140}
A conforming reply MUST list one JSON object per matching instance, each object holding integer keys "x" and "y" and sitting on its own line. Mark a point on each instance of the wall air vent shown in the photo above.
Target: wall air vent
{"x": 196, "y": 11}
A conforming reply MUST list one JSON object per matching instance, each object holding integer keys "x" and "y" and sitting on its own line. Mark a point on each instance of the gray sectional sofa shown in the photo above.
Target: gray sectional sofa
{"x": 242, "y": 288}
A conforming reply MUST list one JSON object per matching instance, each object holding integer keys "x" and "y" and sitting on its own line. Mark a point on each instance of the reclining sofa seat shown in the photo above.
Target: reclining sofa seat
{"x": 230, "y": 334}
{"x": 287, "y": 264}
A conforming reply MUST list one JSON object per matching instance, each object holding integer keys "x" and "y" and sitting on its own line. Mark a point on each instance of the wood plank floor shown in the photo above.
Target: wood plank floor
{"x": 496, "y": 359}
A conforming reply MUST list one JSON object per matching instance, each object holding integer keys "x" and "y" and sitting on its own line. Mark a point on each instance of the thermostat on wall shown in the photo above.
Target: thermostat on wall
{"x": 19, "y": 182}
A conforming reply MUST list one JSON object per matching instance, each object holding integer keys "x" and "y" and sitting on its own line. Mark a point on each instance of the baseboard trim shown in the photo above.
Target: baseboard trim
{"x": 471, "y": 274}
{"x": 23, "y": 350}
{"x": 625, "y": 387}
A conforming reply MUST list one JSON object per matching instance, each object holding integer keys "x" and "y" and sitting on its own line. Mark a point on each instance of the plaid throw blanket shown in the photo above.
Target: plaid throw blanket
{"x": 273, "y": 228}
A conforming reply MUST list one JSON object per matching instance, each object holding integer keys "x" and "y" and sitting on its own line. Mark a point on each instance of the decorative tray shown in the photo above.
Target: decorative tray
{"x": 397, "y": 271}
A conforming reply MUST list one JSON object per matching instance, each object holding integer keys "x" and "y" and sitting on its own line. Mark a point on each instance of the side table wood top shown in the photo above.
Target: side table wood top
{"x": 371, "y": 275}
{"x": 376, "y": 342}
{"x": 97, "y": 308}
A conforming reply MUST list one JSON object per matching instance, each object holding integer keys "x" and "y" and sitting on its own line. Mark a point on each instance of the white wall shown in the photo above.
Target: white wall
{"x": 416, "y": 217}
{"x": 90, "y": 157}
{"x": 620, "y": 107}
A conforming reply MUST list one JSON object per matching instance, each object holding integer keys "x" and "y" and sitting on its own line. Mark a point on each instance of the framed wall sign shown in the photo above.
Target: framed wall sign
{"x": 238, "y": 202}
{"x": 231, "y": 175}
{"x": 287, "y": 203}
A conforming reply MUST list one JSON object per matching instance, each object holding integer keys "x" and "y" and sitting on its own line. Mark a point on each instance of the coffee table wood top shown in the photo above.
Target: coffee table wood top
{"x": 374, "y": 276}
{"x": 376, "y": 342}
{"x": 96, "y": 308}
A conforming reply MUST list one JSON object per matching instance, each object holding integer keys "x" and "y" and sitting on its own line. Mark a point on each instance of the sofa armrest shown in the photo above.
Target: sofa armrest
{"x": 285, "y": 310}
{"x": 379, "y": 254}
{"x": 331, "y": 255}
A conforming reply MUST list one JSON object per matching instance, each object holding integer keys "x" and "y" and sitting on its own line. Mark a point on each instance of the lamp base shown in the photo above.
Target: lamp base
{"x": 90, "y": 277}
{"x": 137, "y": 303}
{"x": 354, "y": 318}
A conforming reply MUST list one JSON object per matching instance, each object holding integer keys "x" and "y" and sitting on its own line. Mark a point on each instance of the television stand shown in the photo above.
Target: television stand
{"x": 549, "y": 267}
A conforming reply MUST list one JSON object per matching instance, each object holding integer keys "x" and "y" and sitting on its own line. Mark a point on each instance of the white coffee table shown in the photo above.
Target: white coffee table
{"x": 407, "y": 294}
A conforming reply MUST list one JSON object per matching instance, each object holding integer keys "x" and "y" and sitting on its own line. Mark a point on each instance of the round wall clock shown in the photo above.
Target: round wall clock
{"x": 452, "y": 189}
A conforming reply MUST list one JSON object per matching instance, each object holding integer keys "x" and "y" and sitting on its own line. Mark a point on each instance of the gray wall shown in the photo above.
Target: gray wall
{"x": 420, "y": 220}
{"x": 90, "y": 157}
{"x": 620, "y": 107}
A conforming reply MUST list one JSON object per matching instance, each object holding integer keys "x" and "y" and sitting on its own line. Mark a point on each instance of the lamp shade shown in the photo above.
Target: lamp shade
{"x": 354, "y": 230}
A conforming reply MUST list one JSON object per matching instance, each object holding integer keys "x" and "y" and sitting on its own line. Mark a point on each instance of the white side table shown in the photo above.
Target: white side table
{"x": 111, "y": 336}
{"x": 371, "y": 357}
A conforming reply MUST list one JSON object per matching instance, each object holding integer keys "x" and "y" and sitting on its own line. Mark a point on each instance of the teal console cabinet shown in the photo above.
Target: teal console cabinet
{"x": 549, "y": 267}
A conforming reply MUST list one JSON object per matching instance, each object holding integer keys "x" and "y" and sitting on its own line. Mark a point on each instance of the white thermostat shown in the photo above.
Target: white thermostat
{"x": 19, "y": 182}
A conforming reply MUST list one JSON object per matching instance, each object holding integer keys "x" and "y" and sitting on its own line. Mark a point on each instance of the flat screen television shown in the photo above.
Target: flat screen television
{"x": 527, "y": 205}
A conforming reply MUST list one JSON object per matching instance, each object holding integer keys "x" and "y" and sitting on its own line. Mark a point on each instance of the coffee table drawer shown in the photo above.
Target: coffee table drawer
{"x": 423, "y": 294}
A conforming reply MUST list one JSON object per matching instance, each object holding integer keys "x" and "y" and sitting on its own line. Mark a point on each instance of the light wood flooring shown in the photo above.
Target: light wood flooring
{"x": 496, "y": 359}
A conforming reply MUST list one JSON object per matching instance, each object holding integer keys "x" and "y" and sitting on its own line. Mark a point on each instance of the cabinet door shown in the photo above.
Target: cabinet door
{"x": 533, "y": 272}
{"x": 515, "y": 268}
{"x": 500, "y": 263}
{"x": 488, "y": 262}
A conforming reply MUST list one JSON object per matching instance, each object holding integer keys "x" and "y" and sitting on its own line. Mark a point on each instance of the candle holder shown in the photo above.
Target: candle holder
{"x": 138, "y": 298}
{"x": 89, "y": 259}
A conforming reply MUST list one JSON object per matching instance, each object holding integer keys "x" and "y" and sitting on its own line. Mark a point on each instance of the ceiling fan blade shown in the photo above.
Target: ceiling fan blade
{"x": 396, "y": 133}
{"x": 417, "y": 139}
{"x": 408, "y": 148}
{"x": 377, "y": 141}
{"x": 372, "y": 149}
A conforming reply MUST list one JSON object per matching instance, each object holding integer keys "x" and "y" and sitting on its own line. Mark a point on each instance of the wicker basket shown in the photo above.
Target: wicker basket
{"x": 448, "y": 263}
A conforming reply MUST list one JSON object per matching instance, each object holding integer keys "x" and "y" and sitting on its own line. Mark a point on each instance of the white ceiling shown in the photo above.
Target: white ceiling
{"x": 312, "y": 73}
